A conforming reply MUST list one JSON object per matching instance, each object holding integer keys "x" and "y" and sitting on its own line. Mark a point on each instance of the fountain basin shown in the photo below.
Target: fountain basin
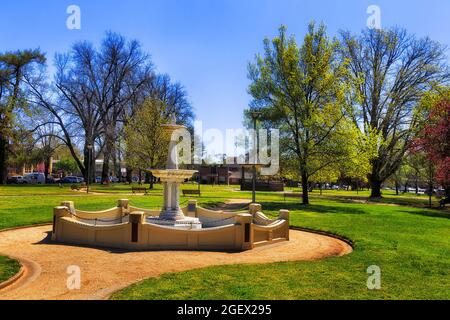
{"x": 131, "y": 228}
{"x": 187, "y": 223}
{"x": 173, "y": 175}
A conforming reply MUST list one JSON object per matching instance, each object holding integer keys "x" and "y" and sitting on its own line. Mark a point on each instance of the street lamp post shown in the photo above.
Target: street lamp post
{"x": 89, "y": 147}
{"x": 255, "y": 115}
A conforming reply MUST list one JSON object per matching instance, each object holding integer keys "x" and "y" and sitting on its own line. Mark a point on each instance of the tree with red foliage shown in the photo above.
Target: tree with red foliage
{"x": 434, "y": 140}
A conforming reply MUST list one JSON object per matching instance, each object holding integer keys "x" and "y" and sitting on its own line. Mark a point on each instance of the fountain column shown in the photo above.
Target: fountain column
{"x": 172, "y": 177}
{"x": 171, "y": 210}
{"x": 172, "y": 160}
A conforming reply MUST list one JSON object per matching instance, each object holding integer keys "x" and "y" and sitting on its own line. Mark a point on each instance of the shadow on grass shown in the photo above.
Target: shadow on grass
{"x": 416, "y": 203}
{"x": 275, "y": 206}
{"x": 428, "y": 213}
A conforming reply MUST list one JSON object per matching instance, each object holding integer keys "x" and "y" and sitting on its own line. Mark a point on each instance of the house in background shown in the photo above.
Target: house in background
{"x": 26, "y": 169}
{"x": 230, "y": 173}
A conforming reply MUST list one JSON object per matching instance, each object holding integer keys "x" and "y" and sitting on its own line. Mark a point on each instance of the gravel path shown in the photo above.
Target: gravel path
{"x": 105, "y": 271}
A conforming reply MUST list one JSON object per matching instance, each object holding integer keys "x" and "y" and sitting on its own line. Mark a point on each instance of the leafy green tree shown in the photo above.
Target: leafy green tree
{"x": 14, "y": 67}
{"x": 392, "y": 70}
{"x": 21, "y": 150}
{"x": 304, "y": 92}
{"x": 433, "y": 139}
{"x": 68, "y": 166}
{"x": 418, "y": 165}
{"x": 146, "y": 143}
{"x": 399, "y": 178}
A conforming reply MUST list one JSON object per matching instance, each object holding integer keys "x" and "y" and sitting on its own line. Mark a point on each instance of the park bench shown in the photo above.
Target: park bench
{"x": 292, "y": 195}
{"x": 191, "y": 192}
{"x": 75, "y": 187}
{"x": 139, "y": 190}
{"x": 443, "y": 202}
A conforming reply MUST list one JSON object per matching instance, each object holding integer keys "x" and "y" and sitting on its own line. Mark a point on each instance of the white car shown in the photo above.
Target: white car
{"x": 34, "y": 178}
{"x": 15, "y": 180}
{"x": 421, "y": 191}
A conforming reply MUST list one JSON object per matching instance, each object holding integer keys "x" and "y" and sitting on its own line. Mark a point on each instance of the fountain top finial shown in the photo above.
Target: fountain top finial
{"x": 172, "y": 125}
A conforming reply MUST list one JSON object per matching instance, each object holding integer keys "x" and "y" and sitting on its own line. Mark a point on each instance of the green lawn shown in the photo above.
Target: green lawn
{"x": 8, "y": 268}
{"x": 410, "y": 244}
{"x": 27, "y": 205}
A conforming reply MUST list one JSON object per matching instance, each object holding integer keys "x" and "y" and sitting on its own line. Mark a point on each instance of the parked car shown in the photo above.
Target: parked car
{"x": 15, "y": 180}
{"x": 135, "y": 179}
{"x": 114, "y": 179}
{"x": 70, "y": 179}
{"x": 51, "y": 180}
{"x": 34, "y": 178}
{"x": 421, "y": 191}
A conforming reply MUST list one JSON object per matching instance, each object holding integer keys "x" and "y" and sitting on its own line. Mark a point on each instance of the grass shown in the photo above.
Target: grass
{"x": 8, "y": 268}
{"x": 410, "y": 243}
{"x": 411, "y": 247}
{"x": 29, "y": 205}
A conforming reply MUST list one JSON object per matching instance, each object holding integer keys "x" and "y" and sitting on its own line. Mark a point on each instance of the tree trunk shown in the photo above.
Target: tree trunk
{"x": 105, "y": 171}
{"x": 305, "y": 188}
{"x": 93, "y": 168}
{"x": 375, "y": 186}
{"x": 47, "y": 168}
{"x": 129, "y": 175}
{"x": 89, "y": 166}
{"x": 114, "y": 165}
{"x": 375, "y": 180}
{"x": 3, "y": 160}
{"x": 152, "y": 181}
{"x": 147, "y": 178}
{"x": 106, "y": 160}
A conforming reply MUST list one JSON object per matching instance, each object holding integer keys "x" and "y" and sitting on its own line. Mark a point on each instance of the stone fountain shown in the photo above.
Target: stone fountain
{"x": 128, "y": 227}
{"x": 172, "y": 177}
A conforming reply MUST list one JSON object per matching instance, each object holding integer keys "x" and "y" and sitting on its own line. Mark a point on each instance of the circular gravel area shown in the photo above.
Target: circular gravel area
{"x": 104, "y": 271}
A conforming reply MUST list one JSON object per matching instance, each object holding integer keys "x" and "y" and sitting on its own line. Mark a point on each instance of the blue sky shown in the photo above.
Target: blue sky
{"x": 206, "y": 44}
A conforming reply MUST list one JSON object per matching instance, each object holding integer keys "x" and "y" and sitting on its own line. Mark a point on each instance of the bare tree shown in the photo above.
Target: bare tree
{"x": 90, "y": 93}
{"x": 174, "y": 96}
{"x": 94, "y": 93}
{"x": 125, "y": 71}
{"x": 175, "y": 100}
{"x": 47, "y": 142}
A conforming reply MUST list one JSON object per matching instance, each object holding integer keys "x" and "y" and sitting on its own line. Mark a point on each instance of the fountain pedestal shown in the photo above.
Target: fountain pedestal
{"x": 172, "y": 177}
